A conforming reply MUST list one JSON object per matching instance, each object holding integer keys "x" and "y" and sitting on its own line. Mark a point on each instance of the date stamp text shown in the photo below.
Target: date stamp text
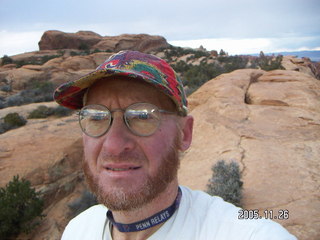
{"x": 281, "y": 214}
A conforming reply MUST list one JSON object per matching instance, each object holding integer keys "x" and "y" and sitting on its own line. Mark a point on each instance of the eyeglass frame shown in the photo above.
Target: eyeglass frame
{"x": 124, "y": 118}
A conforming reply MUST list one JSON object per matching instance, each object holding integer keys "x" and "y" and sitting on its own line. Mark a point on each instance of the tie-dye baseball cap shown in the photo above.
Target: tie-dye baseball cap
{"x": 133, "y": 64}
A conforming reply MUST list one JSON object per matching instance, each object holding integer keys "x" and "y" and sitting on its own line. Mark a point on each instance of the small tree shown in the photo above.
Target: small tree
{"x": 6, "y": 60}
{"x": 226, "y": 183}
{"x": 20, "y": 205}
{"x": 222, "y": 53}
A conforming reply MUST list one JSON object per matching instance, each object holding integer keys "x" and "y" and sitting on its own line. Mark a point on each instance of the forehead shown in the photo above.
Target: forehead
{"x": 122, "y": 91}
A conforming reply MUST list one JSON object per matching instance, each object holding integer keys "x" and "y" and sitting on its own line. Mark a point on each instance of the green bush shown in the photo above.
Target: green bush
{"x": 61, "y": 111}
{"x": 41, "y": 112}
{"x": 226, "y": 183}
{"x": 11, "y": 121}
{"x": 36, "y": 92}
{"x": 33, "y": 61}
{"x": 6, "y": 60}
{"x": 197, "y": 75}
{"x": 179, "y": 51}
{"x": 44, "y": 112}
{"x": 14, "y": 120}
{"x": 20, "y": 207}
{"x": 269, "y": 63}
{"x": 6, "y": 88}
{"x": 83, "y": 46}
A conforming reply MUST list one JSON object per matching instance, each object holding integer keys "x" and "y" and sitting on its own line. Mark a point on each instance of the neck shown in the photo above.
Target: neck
{"x": 164, "y": 200}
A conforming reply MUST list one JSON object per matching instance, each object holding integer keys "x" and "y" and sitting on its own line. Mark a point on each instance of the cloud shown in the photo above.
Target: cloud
{"x": 232, "y": 46}
{"x": 12, "y": 43}
{"x": 253, "y": 45}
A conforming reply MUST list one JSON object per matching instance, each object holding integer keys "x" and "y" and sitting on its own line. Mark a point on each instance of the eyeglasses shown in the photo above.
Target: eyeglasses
{"x": 142, "y": 119}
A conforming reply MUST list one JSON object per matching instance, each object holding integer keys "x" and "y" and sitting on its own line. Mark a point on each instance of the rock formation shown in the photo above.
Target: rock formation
{"x": 53, "y": 40}
{"x": 83, "y": 40}
{"x": 268, "y": 122}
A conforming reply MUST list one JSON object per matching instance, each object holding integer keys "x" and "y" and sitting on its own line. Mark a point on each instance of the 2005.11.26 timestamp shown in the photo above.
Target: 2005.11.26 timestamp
{"x": 267, "y": 214}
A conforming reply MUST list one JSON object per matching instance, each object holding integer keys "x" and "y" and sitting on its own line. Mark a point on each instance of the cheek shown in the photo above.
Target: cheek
{"x": 157, "y": 147}
{"x": 91, "y": 149}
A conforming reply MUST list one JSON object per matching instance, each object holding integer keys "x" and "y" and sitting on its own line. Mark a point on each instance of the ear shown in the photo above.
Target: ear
{"x": 186, "y": 132}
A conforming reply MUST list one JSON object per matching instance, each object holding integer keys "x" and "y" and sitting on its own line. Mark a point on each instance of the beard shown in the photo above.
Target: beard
{"x": 118, "y": 199}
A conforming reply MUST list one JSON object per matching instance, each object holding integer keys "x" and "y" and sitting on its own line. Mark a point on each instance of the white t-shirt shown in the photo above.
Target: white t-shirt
{"x": 199, "y": 217}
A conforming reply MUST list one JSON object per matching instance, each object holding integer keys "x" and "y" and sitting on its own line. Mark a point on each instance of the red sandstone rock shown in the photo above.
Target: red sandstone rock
{"x": 53, "y": 40}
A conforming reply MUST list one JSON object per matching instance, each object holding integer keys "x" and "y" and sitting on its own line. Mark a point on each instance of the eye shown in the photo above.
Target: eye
{"x": 100, "y": 116}
{"x": 94, "y": 115}
{"x": 144, "y": 115}
{"x": 140, "y": 115}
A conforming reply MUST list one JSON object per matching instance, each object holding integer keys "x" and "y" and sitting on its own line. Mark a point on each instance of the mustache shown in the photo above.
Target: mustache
{"x": 122, "y": 157}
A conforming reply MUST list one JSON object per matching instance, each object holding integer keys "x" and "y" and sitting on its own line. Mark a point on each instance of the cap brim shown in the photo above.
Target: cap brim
{"x": 71, "y": 94}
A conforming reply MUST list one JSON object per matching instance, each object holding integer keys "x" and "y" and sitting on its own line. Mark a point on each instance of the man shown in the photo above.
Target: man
{"x": 134, "y": 121}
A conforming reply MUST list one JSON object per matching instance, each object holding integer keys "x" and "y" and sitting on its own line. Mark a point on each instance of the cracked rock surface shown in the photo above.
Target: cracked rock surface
{"x": 269, "y": 122}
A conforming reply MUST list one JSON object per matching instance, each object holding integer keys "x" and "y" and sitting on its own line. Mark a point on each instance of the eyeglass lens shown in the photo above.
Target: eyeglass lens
{"x": 142, "y": 119}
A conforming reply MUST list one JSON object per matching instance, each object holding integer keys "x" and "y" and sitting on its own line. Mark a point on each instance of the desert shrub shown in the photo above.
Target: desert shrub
{"x": 3, "y": 127}
{"x": 222, "y": 53}
{"x": 226, "y": 183}
{"x": 11, "y": 121}
{"x": 16, "y": 100}
{"x": 181, "y": 66}
{"x": 14, "y": 119}
{"x": 6, "y": 88}
{"x": 6, "y": 60}
{"x": 41, "y": 112}
{"x": 83, "y": 46}
{"x": 37, "y": 92}
{"x": 172, "y": 51}
{"x": 86, "y": 200}
{"x": 197, "y": 75}
{"x": 2, "y": 104}
{"x": 20, "y": 208}
{"x": 61, "y": 111}
{"x": 269, "y": 63}
{"x": 32, "y": 61}
{"x": 231, "y": 63}
{"x": 44, "y": 112}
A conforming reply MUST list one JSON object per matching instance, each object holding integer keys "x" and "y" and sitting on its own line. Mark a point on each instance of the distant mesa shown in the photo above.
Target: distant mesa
{"x": 88, "y": 40}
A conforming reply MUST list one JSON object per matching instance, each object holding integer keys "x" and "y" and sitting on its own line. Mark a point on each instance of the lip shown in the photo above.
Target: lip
{"x": 121, "y": 168}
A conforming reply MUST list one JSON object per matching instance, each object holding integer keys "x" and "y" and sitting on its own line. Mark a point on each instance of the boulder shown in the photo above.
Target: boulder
{"x": 53, "y": 40}
{"x": 137, "y": 42}
{"x": 48, "y": 153}
{"x": 85, "y": 40}
{"x": 269, "y": 123}
{"x": 303, "y": 65}
{"x": 78, "y": 63}
{"x": 21, "y": 78}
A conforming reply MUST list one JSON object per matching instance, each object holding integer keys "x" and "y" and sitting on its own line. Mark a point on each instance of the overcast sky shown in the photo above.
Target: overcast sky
{"x": 236, "y": 26}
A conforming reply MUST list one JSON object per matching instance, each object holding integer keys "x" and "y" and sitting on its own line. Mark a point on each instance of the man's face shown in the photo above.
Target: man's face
{"x": 126, "y": 171}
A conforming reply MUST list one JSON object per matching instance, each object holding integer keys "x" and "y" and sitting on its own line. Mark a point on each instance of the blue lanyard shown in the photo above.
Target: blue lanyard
{"x": 152, "y": 221}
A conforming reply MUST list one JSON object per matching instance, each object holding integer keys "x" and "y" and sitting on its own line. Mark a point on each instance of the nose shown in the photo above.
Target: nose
{"x": 118, "y": 139}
